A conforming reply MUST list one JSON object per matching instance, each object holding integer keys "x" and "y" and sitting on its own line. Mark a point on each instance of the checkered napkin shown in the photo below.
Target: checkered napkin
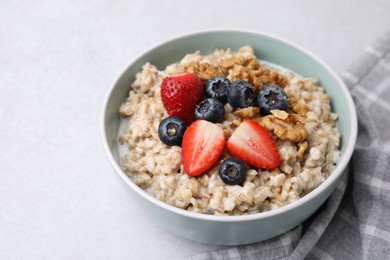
{"x": 354, "y": 223}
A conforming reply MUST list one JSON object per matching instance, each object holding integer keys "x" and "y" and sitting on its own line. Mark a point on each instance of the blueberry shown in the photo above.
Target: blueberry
{"x": 241, "y": 94}
{"x": 171, "y": 130}
{"x": 210, "y": 109}
{"x": 271, "y": 97}
{"x": 218, "y": 87}
{"x": 232, "y": 171}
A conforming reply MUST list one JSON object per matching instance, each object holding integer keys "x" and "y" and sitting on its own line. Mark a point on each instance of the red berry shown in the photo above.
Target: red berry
{"x": 254, "y": 145}
{"x": 203, "y": 144}
{"x": 180, "y": 94}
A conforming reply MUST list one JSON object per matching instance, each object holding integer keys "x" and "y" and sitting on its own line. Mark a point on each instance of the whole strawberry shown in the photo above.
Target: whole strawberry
{"x": 180, "y": 94}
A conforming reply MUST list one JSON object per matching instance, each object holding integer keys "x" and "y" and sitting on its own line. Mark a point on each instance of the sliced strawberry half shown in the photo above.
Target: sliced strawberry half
{"x": 202, "y": 145}
{"x": 253, "y": 144}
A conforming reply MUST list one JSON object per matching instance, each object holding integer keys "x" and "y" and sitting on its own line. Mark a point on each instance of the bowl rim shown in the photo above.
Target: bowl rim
{"x": 342, "y": 164}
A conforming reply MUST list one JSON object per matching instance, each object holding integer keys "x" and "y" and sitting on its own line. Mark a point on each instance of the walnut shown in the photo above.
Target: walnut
{"x": 247, "y": 112}
{"x": 249, "y": 62}
{"x": 250, "y": 75}
{"x": 302, "y": 146}
{"x": 281, "y": 114}
{"x": 247, "y": 68}
{"x": 267, "y": 77}
{"x": 291, "y": 128}
{"x": 299, "y": 108}
{"x": 236, "y": 122}
{"x": 205, "y": 70}
{"x": 297, "y": 119}
{"x": 257, "y": 77}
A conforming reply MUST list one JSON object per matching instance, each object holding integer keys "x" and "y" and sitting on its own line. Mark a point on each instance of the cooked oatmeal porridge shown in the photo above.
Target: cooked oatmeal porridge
{"x": 305, "y": 135}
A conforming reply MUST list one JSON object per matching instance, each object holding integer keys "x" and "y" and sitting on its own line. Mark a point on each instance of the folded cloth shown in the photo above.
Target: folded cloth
{"x": 354, "y": 223}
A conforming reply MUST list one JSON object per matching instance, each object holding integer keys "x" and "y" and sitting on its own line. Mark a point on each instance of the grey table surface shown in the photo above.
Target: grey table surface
{"x": 59, "y": 197}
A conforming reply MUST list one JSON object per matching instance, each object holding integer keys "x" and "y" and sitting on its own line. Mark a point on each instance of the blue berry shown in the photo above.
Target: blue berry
{"x": 171, "y": 130}
{"x": 218, "y": 87}
{"x": 210, "y": 109}
{"x": 271, "y": 97}
{"x": 232, "y": 171}
{"x": 241, "y": 94}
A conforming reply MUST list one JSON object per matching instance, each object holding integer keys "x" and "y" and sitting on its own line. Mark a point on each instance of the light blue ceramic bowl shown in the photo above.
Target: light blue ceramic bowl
{"x": 233, "y": 230}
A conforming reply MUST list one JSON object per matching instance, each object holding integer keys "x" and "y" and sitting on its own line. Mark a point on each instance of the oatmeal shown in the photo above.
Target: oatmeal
{"x": 304, "y": 133}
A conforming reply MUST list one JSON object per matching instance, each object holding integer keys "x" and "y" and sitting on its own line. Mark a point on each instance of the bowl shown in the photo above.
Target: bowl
{"x": 245, "y": 229}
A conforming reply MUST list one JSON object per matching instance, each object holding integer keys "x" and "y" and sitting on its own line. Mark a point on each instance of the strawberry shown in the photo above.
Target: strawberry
{"x": 253, "y": 144}
{"x": 202, "y": 145}
{"x": 180, "y": 94}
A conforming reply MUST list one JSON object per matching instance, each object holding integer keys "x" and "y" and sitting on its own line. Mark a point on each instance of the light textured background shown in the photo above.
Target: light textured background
{"x": 59, "y": 197}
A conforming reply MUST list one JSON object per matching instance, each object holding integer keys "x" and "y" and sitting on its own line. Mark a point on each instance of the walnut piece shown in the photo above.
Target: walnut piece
{"x": 302, "y": 146}
{"x": 246, "y": 67}
{"x": 299, "y": 108}
{"x": 249, "y": 62}
{"x": 291, "y": 128}
{"x": 267, "y": 77}
{"x": 236, "y": 122}
{"x": 257, "y": 77}
{"x": 247, "y": 112}
{"x": 205, "y": 70}
{"x": 281, "y": 114}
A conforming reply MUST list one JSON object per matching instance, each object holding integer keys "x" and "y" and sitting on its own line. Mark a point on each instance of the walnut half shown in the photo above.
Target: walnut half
{"x": 286, "y": 126}
{"x": 247, "y": 112}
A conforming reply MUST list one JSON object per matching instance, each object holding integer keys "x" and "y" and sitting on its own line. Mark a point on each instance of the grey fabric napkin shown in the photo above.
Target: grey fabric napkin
{"x": 354, "y": 223}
